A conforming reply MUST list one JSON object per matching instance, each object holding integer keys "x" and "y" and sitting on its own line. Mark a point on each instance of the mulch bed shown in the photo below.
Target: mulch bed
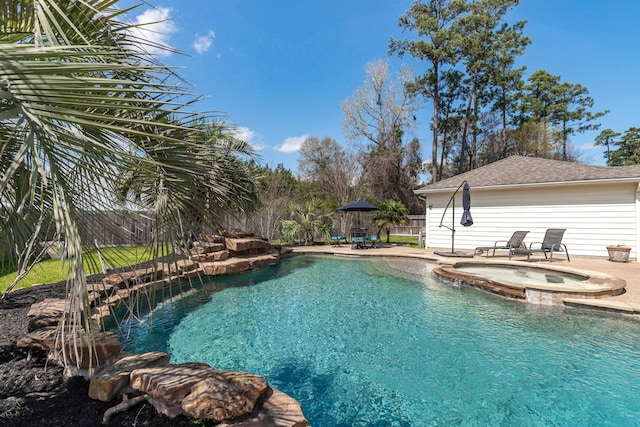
{"x": 34, "y": 394}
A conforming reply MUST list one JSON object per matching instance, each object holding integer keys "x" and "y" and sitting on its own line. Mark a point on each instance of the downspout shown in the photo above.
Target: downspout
{"x": 426, "y": 221}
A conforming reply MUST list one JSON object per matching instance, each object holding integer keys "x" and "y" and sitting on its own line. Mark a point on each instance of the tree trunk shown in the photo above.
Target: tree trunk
{"x": 434, "y": 147}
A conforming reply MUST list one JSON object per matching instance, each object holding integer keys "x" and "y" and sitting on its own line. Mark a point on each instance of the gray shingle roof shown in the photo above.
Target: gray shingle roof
{"x": 521, "y": 170}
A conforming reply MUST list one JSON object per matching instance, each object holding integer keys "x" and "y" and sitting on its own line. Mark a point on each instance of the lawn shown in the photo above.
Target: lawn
{"x": 411, "y": 241}
{"x": 53, "y": 270}
{"x": 404, "y": 240}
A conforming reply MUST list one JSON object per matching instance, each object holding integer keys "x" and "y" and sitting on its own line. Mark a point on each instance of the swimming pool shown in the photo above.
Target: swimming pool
{"x": 382, "y": 343}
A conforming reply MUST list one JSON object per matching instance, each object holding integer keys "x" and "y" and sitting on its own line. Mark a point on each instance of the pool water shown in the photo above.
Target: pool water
{"x": 522, "y": 275}
{"x": 383, "y": 343}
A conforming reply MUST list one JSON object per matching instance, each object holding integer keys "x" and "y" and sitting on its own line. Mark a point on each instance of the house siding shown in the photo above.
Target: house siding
{"x": 594, "y": 214}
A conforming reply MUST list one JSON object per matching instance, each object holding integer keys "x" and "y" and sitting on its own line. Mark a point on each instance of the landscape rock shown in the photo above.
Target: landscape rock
{"x": 113, "y": 378}
{"x": 260, "y": 261}
{"x": 105, "y": 345}
{"x": 208, "y": 247}
{"x": 169, "y": 384}
{"x": 102, "y": 314}
{"x": 246, "y": 246}
{"x": 193, "y": 389}
{"x": 42, "y": 338}
{"x": 278, "y": 410}
{"x": 221, "y": 255}
{"x": 185, "y": 265}
{"x": 225, "y": 396}
{"x": 211, "y": 238}
{"x": 230, "y": 266}
{"x": 46, "y": 313}
{"x": 101, "y": 288}
{"x": 177, "y": 267}
{"x": 126, "y": 279}
{"x": 236, "y": 234}
{"x": 212, "y": 256}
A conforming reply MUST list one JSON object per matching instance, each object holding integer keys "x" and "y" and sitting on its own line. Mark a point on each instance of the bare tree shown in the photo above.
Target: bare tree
{"x": 277, "y": 190}
{"x": 331, "y": 171}
{"x": 376, "y": 118}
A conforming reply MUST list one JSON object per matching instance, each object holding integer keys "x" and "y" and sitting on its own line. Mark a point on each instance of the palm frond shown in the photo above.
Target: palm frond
{"x": 89, "y": 122}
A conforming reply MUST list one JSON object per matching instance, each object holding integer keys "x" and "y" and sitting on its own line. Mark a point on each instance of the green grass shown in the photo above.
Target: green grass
{"x": 411, "y": 241}
{"x": 404, "y": 240}
{"x": 53, "y": 270}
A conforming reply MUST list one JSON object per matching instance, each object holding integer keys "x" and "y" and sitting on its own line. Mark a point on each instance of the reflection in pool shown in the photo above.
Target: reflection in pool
{"x": 521, "y": 275}
{"x": 383, "y": 343}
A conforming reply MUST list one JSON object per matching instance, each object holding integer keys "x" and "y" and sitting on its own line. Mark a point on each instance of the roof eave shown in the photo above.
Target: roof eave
{"x": 535, "y": 184}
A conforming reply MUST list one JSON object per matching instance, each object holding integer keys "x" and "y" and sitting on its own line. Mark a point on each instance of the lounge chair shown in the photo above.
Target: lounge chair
{"x": 516, "y": 241}
{"x": 552, "y": 242}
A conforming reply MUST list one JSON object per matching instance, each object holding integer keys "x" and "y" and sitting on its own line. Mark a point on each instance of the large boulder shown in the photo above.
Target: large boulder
{"x": 177, "y": 267}
{"x": 126, "y": 279}
{"x": 167, "y": 385}
{"x": 230, "y": 266}
{"x": 260, "y": 261}
{"x": 212, "y": 256}
{"x": 42, "y": 338}
{"x": 236, "y": 234}
{"x": 204, "y": 247}
{"x": 211, "y": 238}
{"x": 225, "y": 396}
{"x": 246, "y": 246}
{"x": 114, "y": 377}
{"x": 77, "y": 350}
{"x": 45, "y": 313}
{"x": 278, "y": 410}
{"x": 86, "y": 355}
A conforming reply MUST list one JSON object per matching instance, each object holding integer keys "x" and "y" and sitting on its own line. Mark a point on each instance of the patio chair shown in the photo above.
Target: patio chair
{"x": 358, "y": 238}
{"x": 372, "y": 241}
{"x": 516, "y": 241}
{"x": 552, "y": 242}
{"x": 336, "y": 238}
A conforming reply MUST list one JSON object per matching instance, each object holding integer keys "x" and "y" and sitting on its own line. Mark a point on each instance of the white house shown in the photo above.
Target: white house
{"x": 598, "y": 206}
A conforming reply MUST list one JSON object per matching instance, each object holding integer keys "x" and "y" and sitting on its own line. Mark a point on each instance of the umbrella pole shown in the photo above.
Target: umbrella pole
{"x": 452, "y": 202}
{"x": 453, "y": 223}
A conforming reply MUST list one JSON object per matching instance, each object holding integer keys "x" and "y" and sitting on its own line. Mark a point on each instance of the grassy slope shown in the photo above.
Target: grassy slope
{"x": 53, "y": 270}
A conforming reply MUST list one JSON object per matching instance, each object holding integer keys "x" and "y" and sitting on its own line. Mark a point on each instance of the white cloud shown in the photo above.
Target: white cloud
{"x": 203, "y": 43}
{"x": 250, "y": 137}
{"x": 292, "y": 144}
{"x": 589, "y": 146}
{"x": 155, "y": 26}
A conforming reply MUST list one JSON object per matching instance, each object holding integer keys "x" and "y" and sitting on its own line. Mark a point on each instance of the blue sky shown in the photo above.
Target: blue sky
{"x": 280, "y": 69}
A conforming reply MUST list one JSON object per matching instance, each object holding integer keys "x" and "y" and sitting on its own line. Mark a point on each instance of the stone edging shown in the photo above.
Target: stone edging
{"x": 192, "y": 389}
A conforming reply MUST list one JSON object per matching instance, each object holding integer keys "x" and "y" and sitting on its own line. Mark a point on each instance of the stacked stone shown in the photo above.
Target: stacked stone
{"x": 191, "y": 389}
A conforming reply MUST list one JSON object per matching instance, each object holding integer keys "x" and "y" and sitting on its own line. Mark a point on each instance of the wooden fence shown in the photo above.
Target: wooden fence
{"x": 116, "y": 228}
{"x": 135, "y": 228}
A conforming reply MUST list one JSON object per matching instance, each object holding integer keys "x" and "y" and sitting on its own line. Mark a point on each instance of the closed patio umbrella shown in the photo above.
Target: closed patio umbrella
{"x": 466, "y": 205}
{"x": 466, "y": 219}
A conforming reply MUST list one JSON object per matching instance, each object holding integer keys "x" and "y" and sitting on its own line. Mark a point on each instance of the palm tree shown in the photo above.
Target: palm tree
{"x": 391, "y": 214}
{"x": 90, "y": 122}
{"x": 307, "y": 221}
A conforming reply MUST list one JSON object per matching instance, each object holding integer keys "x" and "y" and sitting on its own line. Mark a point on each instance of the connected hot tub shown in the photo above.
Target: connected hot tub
{"x": 535, "y": 285}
